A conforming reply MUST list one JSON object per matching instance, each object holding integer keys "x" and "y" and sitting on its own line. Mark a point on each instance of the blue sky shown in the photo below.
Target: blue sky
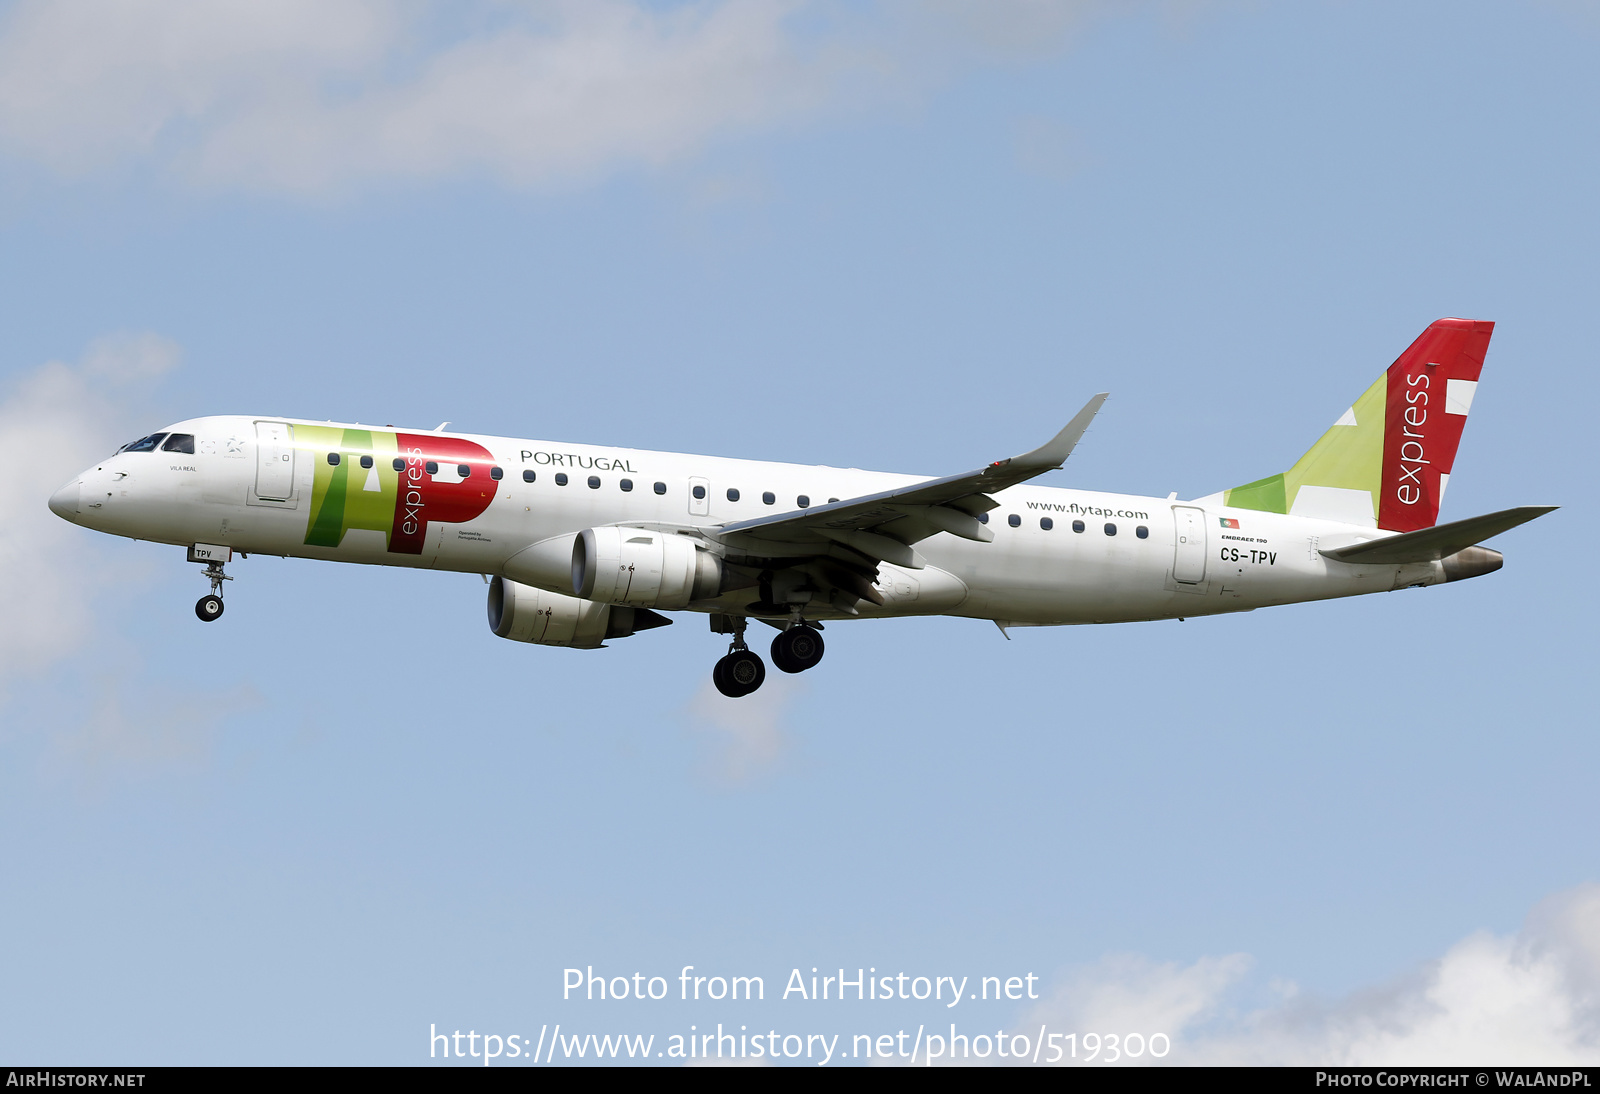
{"x": 903, "y": 237}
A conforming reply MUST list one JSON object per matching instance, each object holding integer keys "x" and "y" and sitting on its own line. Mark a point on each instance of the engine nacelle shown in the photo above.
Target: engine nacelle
{"x": 642, "y": 568}
{"x": 523, "y": 613}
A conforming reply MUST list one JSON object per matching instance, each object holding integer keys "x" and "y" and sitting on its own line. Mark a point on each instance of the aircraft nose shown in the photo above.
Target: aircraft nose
{"x": 64, "y": 502}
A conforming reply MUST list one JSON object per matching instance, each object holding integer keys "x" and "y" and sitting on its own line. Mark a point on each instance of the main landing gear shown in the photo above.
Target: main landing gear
{"x": 741, "y": 671}
{"x": 798, "y": 647}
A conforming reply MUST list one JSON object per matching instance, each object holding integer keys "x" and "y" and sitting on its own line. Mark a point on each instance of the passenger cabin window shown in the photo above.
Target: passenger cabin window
{"x": 626, "y": 486}
{"x": 399, "y": 464}
{"x": 180, "y": 442}
{"x": 1142, "y": 532}
{"x": 528, "y": 476}
{"x": 464, "y": 469}
{"x": 366, "y": 462}
{"x": 1046, "y": 523}
{"x": 594, "y": 482}
{"x": 803, "y": 501}
{"x": 497, "y": 473}
{"x": 1077, "y": 526}
{"x": 769, "y": 498}
{"x": 144, "y": 444}
{"x": 431, "y": 467}
{"x": 661, "y": 488}
{"x": 983, "y": 518}
{"x": 1111, "y": 529}
{"x": 733, "y": 493}
{"x": 699, "y": 493}
{"x": 561, "y": 478}
{"x": 1014, "y": 520}
{"x": 333, "y": 459}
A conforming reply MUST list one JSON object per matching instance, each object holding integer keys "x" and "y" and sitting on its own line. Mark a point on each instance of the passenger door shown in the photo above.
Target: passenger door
{"x": 274, "y": 461}
{"x": 1189, "y": 556}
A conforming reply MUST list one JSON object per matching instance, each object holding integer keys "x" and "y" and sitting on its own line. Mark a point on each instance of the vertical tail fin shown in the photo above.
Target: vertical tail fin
{"x": 1387, "y": 460}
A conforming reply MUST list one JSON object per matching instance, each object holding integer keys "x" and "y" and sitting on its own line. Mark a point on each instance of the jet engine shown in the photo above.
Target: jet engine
{"x": 523, "y": 613}
{"x": 642, "y": 568}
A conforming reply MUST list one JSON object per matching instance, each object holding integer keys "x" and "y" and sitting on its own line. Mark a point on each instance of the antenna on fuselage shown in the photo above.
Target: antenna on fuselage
{"x": 440, "y": 427}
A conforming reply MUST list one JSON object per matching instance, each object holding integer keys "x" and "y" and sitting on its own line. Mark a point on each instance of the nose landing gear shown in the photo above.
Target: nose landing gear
{"x": 209, "y": 607}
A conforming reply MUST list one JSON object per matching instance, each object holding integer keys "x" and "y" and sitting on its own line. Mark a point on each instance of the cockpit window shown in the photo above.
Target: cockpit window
{"x": 145, "y": 444}
{"x": 180, "y": 442}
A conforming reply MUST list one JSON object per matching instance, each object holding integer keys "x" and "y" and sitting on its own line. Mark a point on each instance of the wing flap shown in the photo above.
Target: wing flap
{"x": 873, "y": 545}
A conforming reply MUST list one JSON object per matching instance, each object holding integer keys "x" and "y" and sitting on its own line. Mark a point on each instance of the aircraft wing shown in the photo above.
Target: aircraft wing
{"x": 1440, "y": 541}
{"x": 883, "y": 526}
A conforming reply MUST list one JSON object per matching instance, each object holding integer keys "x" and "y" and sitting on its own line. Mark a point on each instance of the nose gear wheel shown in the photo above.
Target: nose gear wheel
{"x": 209, "y": 607}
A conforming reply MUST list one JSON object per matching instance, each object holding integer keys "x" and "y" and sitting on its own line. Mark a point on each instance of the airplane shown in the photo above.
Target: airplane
{"x": 582, "y": 544}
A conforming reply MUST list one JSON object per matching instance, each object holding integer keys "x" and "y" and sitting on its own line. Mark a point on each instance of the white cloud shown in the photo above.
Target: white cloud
{"x": 309, "y": 97}
{"x": 1003, "y": 29}
{"x": 1532, "y": 998}
{"x": 609, "y": 84}
{"x": 83, "y": 85}
{"x": 137, "y": 728}
{"x": 743, "y": 737}
{"x": 53, "y": 423}
{"x": 131, "y": 357}
{"x": 1130, "y": 994}
{"x": 305, "y": 96}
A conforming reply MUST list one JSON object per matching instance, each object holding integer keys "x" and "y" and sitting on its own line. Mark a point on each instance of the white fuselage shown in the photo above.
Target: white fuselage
{"x": 257, "y": 495}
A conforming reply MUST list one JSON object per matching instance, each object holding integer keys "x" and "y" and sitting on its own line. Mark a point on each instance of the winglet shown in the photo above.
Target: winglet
{"x": 1050, "y": 456}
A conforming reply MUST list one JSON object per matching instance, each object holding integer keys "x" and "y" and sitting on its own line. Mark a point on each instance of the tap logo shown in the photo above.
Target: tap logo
{"x": 394, "y": 483}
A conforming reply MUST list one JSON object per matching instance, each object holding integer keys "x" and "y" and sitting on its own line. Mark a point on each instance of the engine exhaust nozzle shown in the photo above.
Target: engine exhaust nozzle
{"x": 1472, "y": 562}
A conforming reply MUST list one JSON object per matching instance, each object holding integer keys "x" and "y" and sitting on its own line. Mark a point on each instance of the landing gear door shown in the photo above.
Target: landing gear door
{"x": 274, "y": 462}
{"x": 699, "y": 497}
{"x": 1189, "y": 556}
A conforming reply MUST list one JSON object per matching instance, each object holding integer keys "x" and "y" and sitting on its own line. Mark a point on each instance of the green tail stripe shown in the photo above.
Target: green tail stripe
{"x": 1264, "y": 494}
{"x": 1348, "y": 457}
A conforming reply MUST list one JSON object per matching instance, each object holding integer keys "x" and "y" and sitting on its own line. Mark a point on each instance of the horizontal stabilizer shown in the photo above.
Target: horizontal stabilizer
{"x": 1441, "y": 541}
